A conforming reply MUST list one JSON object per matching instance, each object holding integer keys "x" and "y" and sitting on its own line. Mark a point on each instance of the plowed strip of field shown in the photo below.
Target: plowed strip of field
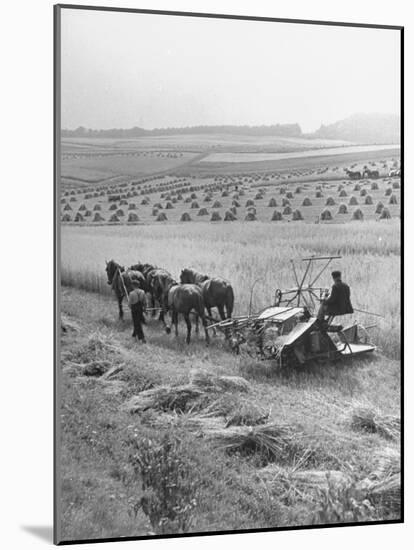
{"x": 329, "y": 151}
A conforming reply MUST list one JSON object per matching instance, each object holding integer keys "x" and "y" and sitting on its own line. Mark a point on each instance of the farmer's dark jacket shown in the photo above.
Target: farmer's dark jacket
{"x": 339, "y": 301}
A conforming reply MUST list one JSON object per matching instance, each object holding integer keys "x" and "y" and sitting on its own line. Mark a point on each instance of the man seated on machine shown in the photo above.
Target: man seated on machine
{"x": 339, "y": 300}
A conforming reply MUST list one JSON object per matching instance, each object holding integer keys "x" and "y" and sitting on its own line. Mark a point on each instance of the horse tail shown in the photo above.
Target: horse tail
{"x": 200, "y": 305}
{"x": 149, "y": 278}
{"x": 155, "y": 287}
{"x": 202, "y": 314}
{"x": 229, "y": 300}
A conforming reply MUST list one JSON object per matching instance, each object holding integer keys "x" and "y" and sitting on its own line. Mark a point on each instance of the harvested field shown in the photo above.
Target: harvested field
{"x": 253, "y": 446}
{"x": 99, "y": 170}
{"x": 326, "y": 151}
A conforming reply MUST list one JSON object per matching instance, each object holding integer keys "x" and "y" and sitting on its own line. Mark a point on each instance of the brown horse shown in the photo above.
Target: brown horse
{"x": 217, "y": 292}
{"x": 160, "y": 282}
{"x": 147, "y": 271}
{"x": 354, "y": 174}
{"x": 374, "y": 174}
{"x": 122, "y": 282}
{"x": 177, "y": 299}
{"x": 185, "y": 299}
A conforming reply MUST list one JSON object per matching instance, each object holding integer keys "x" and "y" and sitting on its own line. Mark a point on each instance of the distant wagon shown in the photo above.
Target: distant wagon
{"x": 394, "y": 172}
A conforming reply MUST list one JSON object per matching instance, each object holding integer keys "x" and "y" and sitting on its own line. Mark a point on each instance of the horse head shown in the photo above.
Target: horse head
{"x": 111, "y": 269}
{"x": 185, "y": 276}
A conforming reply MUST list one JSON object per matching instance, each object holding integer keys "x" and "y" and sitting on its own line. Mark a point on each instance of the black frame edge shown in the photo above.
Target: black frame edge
{"x": 402, "y": 215}
{"x": 56, "y": 270}
{"x": 228, "y": 16}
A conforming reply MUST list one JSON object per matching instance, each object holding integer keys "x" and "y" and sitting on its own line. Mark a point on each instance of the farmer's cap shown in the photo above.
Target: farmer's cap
{"x": 336, "y": 274}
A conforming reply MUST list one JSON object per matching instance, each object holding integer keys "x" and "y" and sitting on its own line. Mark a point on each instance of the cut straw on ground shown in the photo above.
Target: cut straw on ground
{"x": 202, "y": 389}
{"x": 367, "y": 419}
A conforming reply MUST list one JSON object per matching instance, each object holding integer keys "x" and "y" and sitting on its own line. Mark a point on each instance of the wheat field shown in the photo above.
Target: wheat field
{"x": 248, "y": 254}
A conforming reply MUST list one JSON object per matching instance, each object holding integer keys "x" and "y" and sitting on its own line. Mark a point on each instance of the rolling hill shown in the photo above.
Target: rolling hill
{"x": 363, "y": 128}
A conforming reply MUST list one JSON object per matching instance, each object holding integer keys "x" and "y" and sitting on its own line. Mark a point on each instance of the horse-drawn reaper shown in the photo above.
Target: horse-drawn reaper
{"x": 290, "y": 331}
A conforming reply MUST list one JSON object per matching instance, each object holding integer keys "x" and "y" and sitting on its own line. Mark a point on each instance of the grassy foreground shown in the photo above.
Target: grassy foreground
{"x": 103, "y": 494}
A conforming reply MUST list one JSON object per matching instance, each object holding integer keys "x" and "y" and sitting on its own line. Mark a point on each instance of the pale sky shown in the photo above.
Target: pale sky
{"x": 126, "y": 69}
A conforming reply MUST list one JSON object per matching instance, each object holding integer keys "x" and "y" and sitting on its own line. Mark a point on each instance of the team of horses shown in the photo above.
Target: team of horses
{"x": 367, "y": 173}
{"x": 195, "y": 293}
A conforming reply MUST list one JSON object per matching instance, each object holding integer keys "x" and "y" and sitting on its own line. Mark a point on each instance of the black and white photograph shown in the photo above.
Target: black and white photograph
{"x": 228, "y": 207}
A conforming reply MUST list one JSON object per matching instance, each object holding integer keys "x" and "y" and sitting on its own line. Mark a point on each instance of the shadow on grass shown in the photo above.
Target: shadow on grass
{"x": 198, "y": 344}
{"x": 341, "y": 373}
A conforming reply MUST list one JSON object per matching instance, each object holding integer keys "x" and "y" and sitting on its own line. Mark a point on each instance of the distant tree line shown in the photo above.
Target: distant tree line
{"x": 358, "y": 128}
{"x": 287, "y": 130}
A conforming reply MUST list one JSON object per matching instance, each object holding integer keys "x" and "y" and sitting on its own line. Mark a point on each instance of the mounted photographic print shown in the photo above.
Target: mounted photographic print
{"x": 228, "y": 209}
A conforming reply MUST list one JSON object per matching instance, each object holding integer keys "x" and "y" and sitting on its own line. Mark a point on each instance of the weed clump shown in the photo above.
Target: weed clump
{"x": 169, "y": 482}
{"x": 339, "y": 505}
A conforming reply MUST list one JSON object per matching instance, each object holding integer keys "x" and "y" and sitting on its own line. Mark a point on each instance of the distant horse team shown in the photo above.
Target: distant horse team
{"x": 358, "y": 175}
{"x": 195, "y": 293}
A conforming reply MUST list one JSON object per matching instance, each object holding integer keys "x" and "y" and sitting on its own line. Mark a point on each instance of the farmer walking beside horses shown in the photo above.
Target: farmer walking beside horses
{"x": 339, "y": 300}
{"x": 137, "y": 301}
{"x": 123, "y": 282}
